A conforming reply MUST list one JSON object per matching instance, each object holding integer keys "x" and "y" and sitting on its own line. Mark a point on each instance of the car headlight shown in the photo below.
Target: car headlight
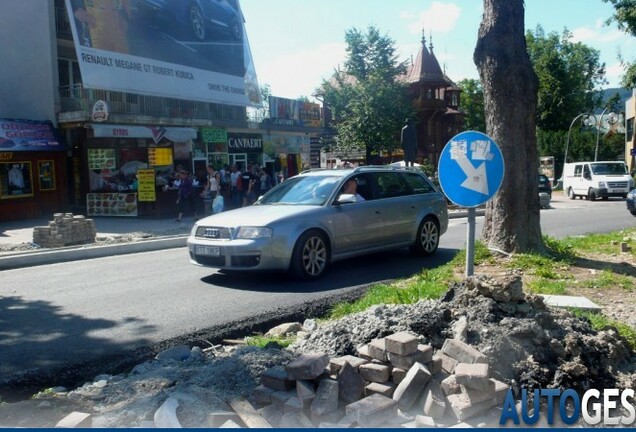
{"x": 632, "y": 194}
{"x": 602, "y": 185}
{"x": 254, "y": 233}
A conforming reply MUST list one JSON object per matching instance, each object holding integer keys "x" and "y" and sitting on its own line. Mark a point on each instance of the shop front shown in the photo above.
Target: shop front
{"x": 131, "y": 169}
{"x": 32, "y": 170}
{"x": 290, "y": 153}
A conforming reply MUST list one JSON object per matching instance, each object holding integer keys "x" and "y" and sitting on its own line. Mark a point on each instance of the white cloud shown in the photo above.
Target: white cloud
{"x": 614, "y": 73}
{"x": 439, "y": 18}
{"x": 300, "y": 73}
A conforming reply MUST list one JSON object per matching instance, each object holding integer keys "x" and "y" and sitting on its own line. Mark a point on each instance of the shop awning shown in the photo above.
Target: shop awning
{"x": 175, "y": 134}
{"x": 28, "y": 135}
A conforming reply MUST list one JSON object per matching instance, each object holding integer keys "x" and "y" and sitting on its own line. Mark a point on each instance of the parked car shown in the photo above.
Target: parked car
{"x": 307, "y": 222}
{"x": 631, "y": 202}
{"x": 545, "y": 191}
{"x": 199, "y": 17}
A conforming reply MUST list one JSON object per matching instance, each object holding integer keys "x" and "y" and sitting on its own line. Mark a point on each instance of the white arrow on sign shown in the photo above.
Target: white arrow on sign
{"x": 476, "y": 179}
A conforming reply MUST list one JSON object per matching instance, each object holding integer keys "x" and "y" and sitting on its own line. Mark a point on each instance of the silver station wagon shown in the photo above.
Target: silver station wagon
{"x": 321, "y": 216}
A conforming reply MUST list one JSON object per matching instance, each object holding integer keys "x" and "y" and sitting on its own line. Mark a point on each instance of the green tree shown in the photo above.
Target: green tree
{"x": 625, "y": 18}
{"x": 472, "y": 103}
{"x": 368, "y": 103}
{"x": 568, "y": 73}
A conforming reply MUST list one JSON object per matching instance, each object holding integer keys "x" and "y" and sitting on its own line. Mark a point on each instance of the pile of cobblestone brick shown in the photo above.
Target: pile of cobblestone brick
{"x": 393, "y": 381}
{"x": 65, "y": 229}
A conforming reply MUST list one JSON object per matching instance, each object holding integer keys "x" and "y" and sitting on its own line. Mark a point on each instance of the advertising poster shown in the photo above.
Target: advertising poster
{"x": 26, "y": 135}
{"x": 146, "y": 185}
{"x": 169, "y": 48}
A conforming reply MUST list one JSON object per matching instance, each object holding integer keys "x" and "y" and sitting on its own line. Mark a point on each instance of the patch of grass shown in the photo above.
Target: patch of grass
{"x": 261, "y": 341}
{"x": 560, "y": 249}
{"x": 608, "y": 279}
{"x": 482, "y": 255}
{"x": 546, "y": 286}
{"x": 605, "y": 243}
{"x": 430, "y": 284}
{"x": 601, "y": 322}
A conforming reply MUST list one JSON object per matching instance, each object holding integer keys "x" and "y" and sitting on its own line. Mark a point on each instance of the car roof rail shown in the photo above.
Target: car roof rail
{"x": 313, "y": 170}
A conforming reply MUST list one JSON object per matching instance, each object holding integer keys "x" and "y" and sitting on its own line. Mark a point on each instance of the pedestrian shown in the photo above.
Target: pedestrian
{"x": 185, "y": 195}
{"x": 236, "y": 186}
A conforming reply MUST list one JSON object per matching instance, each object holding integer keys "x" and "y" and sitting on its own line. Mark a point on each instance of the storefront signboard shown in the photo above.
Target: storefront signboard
{"x": 111, "y": 204}
{"x": 285, "y": 144}
{"x": 174, "y": 134}
{"x": 146, "y": 185}
{"x": 212, "y": 135}
{"x": 290, "y": 112}
{"x": 244, "y": 143}
{"x": 27, "y": 135}
{"x": 160, "y": 156}
{"x": 174, "y": 59}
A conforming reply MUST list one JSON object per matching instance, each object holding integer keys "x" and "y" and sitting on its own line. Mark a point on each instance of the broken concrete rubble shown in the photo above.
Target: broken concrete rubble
{"x": 562, "y": 351}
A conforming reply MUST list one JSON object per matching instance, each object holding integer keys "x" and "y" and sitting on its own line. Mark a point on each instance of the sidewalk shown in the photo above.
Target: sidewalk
{"x": 116, "y": 236}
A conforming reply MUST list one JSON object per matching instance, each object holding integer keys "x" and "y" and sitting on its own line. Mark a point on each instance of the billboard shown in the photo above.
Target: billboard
{"x": 27, "y": 135}
{"x": 294, "y": 112}
{"x": 193, "y": 50}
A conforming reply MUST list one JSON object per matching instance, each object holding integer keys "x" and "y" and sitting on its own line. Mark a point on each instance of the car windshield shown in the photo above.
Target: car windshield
{"x": 609, "y": 168}
{"x": 301, "y": 190}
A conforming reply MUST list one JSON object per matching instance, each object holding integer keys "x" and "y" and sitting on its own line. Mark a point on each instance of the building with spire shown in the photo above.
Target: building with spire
{"x": 436, "y": 100}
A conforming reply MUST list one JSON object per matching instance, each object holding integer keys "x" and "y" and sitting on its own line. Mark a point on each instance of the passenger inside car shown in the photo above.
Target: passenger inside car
{"x": 351, "y": 188}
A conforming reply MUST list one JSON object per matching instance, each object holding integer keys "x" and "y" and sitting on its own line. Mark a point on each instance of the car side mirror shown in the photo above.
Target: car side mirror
{"x": 346, "y": 199}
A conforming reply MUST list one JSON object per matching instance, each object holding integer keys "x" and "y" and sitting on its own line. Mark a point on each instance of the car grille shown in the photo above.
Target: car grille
{"x": 213, "y": 233}
{"x": 613, "y": 185}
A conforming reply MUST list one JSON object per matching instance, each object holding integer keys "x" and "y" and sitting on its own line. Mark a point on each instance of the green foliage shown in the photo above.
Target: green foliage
{"x": 367, "y": 102}
{"x": 603, "y": 243}
{"x": 624, "y": 15}
{"x": 482, "y": 255}
{"x": 601, "y": 322}
{"x": 560, "y": 249}
{"x": 568, "y": 73}
{"x": 608, "y": 279}
{"x": 472, "y": 103}
{"x": 430, "y": 284}
{"x": 545, "y": 286}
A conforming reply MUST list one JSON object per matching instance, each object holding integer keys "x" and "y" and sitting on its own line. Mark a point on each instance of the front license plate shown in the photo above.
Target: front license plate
{"x": 615, "y": 191}
{"x": 207, "y": 250}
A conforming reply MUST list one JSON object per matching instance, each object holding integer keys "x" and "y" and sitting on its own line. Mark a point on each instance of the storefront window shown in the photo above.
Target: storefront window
{"x": 46, "y": 175}
{"x": 16, "y": 179}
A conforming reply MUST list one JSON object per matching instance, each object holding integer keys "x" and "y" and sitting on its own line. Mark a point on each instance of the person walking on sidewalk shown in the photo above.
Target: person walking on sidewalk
{"x": 185, "y": 195}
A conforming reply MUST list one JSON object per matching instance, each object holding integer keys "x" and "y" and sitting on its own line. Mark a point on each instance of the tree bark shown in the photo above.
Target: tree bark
{"x": 510, "y": 99}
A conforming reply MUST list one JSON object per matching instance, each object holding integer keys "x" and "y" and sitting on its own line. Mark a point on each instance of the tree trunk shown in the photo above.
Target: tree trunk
{"x": 510, "y": 100}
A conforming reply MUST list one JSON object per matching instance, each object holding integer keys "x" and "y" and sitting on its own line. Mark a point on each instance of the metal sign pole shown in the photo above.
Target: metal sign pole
{"x": 470, "y": 243}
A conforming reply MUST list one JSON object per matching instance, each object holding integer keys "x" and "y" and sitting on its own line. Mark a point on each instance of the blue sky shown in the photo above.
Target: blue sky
{"x": 296, "y": 43}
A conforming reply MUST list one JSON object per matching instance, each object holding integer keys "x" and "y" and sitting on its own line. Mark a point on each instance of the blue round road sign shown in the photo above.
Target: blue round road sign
{"x": 471, "y": 168}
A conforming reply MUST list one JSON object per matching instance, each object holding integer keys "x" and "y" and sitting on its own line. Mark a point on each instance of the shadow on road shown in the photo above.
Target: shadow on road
{"x": 353, "y": 272}
{"x": 40, "y": 343}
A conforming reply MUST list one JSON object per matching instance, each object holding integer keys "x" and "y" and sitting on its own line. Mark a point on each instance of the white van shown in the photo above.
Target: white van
{"x": 596, "y": 179}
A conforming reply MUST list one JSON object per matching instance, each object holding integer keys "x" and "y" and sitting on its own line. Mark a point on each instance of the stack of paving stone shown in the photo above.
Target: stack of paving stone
{"x": 393, "y": 381}
{"x": 64, "y": 230}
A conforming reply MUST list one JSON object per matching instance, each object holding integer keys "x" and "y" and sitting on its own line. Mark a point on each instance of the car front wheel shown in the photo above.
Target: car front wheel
{"x": 427, "y": 239}
{"x": 311, "y": 256}
{"x": 571, "y": 194}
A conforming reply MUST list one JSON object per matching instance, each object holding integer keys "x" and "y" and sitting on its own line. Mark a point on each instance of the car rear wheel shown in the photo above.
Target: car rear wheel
{"x": 427, "y": 239}
{"x": 633, "y": 212}
{"x": 571, "y": 194}
{"x": 197, "y": 22}
{"x": 311, "y": 256}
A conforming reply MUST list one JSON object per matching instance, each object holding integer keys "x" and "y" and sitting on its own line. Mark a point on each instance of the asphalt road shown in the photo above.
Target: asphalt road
{"x": 81, "y": 316}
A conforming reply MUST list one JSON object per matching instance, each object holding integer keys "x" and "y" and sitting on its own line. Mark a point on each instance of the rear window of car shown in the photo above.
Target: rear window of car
{"x": 390, "y": 184}
{"x": 418, "y": 184}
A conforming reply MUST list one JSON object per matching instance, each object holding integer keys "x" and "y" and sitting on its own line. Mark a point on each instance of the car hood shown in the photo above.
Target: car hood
{"x": 256, "y": 215}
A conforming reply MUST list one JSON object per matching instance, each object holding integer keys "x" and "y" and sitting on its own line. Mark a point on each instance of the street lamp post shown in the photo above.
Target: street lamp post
{"x": 610, "y": 120}
{"x": 567, "y": 143}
